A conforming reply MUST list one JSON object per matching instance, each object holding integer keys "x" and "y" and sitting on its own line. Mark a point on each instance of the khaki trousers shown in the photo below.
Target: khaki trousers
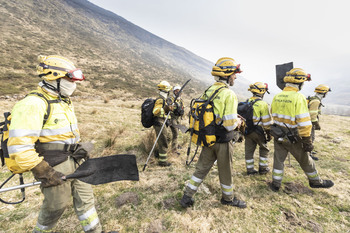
{"x": 303, "y": 158}
{"x": 251, "y": 141}
{"x": 222, "y": 152}
{"x": 174, "y": 131}
{"x": 57, "y": 198}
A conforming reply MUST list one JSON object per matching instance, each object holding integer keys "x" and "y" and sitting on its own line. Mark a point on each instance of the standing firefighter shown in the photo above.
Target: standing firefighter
{"x": 226, "y": 120}
{"x": 160, "y": 110}
{"x": 292, "y": 130}
{"x": 315, "y": 110}
{"x": 260, "y": 134}
{"x": 176, "y": 115}
{"x": 47, "y": 144}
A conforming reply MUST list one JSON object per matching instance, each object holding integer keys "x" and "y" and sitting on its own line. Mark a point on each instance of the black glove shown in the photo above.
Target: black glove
{"x": 307, "y": 144}
{"x": 83, "y": 150}
{"x": 316, "y": 125}
{"x": 268, "y": 135}
{"x": 47, "y": 175}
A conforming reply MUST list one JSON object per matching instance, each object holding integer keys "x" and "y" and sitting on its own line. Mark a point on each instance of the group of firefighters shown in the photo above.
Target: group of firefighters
{"x": 35, "y": 138}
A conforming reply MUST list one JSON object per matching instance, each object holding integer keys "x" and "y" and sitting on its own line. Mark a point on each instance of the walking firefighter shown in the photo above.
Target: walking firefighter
{"x": 315, "y": 103}
{"x": 292, "y": 130}
{"x": 176, "y": 116}
{"x": 219, "y": 146}
{"x": 161, "y": 108}
{"x": 258, "y": 131}
{"x": 44, "y": 138}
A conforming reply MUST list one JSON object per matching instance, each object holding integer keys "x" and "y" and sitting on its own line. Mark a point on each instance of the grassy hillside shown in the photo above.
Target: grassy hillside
{"x": 113, "y": 53}
{"x": 114, "y": 126}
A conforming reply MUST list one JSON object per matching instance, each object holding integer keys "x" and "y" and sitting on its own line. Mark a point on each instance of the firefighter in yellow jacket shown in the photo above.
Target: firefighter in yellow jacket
{"x": 260, "y": 134}
{"x": 176, "y": 115}
{"x": 315, "y": 110}
{"x": 162, "y": 106}
{"x": 292, "y": 130}
{"x": 225, "y": 111}
{"x": 49, "y": 145}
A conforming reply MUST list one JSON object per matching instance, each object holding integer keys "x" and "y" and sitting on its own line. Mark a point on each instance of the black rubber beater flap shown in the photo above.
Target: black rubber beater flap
{"x": 281, "y": 71}
{"x": 107, "y": 169}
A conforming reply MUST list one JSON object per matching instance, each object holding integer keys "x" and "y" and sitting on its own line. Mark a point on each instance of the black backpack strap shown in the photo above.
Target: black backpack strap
{"x": 48, "y": 103}
{"x": 216, "y": 92}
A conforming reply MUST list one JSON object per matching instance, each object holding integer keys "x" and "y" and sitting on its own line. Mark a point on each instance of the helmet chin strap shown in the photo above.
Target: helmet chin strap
{"x": 300, "y": 85}
{"x": 258, "y": 95}
{"x": 53, "y": 88}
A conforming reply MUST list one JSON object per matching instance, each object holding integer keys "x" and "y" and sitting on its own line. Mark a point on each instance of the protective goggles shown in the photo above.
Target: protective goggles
{"x": 74, "y": 75}
{"x": 308, "y": 76}
{"x": 236, "y": 69}
{"x": 261, "y": 89}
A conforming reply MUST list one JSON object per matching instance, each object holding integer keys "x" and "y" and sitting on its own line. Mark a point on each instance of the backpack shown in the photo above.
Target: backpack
{"x": 202, "y": 121}
{"x": 245, "y": 109}
{"x": 5, "y": 125}
{"x": 147, "y": 117}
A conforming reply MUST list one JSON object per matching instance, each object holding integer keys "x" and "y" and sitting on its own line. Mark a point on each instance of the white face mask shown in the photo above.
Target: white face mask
{"x": 67, "y": 88}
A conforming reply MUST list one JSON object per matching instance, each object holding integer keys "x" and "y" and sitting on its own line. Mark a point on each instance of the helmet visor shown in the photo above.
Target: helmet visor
{"x": 75, "y": 75}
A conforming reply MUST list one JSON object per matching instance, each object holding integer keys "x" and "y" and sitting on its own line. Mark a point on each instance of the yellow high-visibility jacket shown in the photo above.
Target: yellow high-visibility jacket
{"x": 158, "y": 109}
{"x": 225, "y": 105}
{"x": 261, "y": 113}
{"x": 290, "y": 107}
{"x": 314, "y": 108}
{"x": 27, "y": 127}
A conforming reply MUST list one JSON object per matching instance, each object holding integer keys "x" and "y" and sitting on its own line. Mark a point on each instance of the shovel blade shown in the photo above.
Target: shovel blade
{"x": 281, "y": 71}
{"x": 107, "y": 169}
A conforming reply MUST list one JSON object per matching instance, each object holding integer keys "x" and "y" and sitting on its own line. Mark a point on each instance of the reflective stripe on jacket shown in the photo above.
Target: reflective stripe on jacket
{"x": 314, "y": 108}
{"x": 290, "y": 107}
{"x": 225, "y": 105}
{"x": 261, "y": 113}
{"x": 27, "y": 127}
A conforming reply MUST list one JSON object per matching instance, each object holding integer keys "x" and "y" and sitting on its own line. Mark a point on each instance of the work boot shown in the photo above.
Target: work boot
{"x": 235, "y": 202}
{"x": 325, "y": 184}
{"x": 164, "y": 164}
{"x": 264, "y": 170}
{"x": 314, "y": 157}
{"x": 252, "y": 172}
{"x": 274, "y": 187}
{"x": 186, "y": 201}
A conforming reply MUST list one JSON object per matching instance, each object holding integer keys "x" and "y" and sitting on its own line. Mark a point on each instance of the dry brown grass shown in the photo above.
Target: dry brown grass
{"x": 296, "y": 208}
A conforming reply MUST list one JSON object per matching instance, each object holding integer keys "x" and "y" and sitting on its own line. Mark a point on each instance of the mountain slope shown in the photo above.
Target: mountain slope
{"x": 113, "y": 53}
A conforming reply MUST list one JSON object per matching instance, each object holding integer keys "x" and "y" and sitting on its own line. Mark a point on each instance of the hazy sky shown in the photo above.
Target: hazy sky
{"x": 314, "y": 34}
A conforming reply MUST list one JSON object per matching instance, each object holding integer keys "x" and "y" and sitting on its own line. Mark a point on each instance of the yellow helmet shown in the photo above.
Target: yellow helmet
{"x": 164, "y": 86}
{"x": 225, "y": 67}
{"x": 322, "y": 88}
{"x": 296, "y": 75}
{"x": 259, "y": 88}
{"x": 54, "y": 67}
